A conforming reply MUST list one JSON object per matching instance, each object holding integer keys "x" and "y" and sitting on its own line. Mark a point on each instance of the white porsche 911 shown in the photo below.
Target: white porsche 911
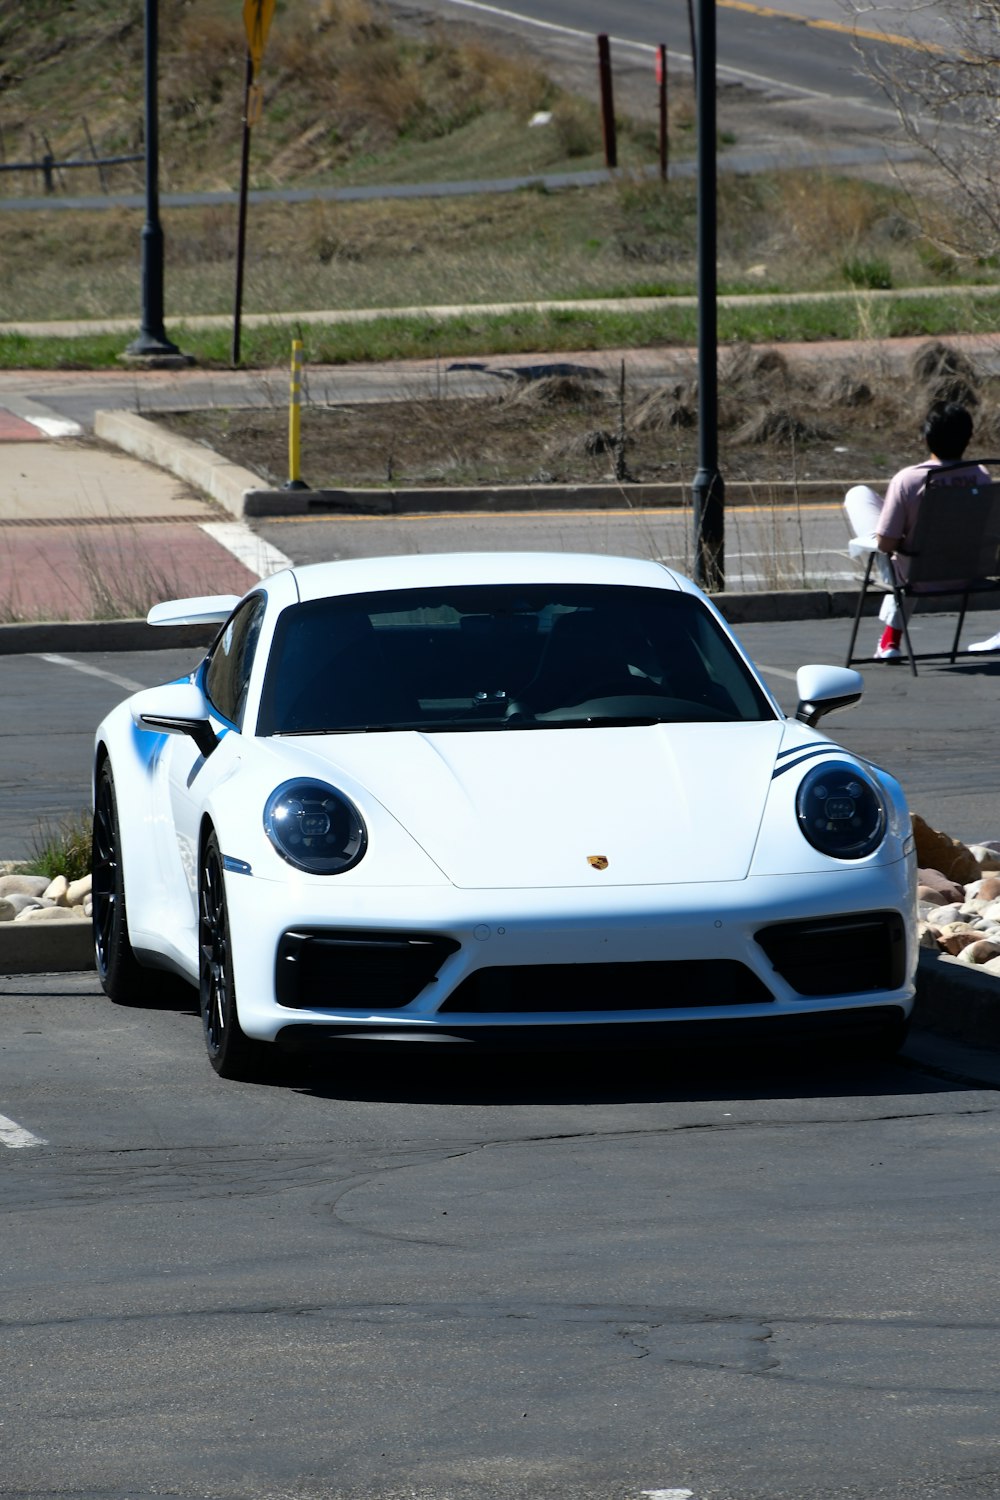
{"x": 509, "y": 799}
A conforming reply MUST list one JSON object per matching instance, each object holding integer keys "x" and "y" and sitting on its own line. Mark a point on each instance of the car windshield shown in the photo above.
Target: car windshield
{"x": 513, "y": 657}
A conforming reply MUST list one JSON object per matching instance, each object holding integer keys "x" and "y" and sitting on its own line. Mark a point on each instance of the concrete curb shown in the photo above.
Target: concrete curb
{"x": 46, "y": 947}
{"x": 224, "y": 481}
{"x": 956, "y": 1000}
{"x": 67, "y": 636}
{"x": 240, "y": 491}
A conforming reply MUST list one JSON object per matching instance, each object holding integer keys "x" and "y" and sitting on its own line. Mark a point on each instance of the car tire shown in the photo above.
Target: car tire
{"x": 231, "y": 1053}
{"x": 122, "y": 977}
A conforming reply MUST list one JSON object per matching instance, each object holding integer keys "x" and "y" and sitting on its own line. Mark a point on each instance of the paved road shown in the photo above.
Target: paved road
{"x": 778, "y": 50}
{"x": 767, "y": 546}
{"x": 726, "y": 1279}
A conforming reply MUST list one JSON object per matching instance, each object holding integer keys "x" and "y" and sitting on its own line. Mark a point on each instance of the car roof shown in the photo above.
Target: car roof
{"x": 375, "y": 574}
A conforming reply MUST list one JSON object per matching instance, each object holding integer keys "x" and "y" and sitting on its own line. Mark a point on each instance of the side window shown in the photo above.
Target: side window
{"x": 227, "y": 673}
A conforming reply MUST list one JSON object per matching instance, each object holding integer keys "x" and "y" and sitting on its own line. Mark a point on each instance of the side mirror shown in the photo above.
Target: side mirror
{"x": 824, "y": 689}
{"x": 177, "y": 708}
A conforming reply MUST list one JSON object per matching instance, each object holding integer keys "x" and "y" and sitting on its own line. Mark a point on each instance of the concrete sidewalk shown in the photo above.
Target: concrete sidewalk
{"x": 89, "y": 532}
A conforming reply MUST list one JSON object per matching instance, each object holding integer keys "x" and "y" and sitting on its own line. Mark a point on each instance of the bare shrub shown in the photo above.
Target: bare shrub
{"x": 553, "y": 390}
{"x": 945, "y": 374}
{"x": 777, "y": 425}
{"x": 575, "y": 125}
{"x": 844, "y": 389}
{"x": 819, "y": 210}
{"x": 748, "y": 369}
{"x": 670, "y": 406}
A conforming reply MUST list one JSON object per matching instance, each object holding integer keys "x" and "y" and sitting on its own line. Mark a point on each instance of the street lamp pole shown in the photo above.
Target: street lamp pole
{"x": 152, "y": 340}
{"x": 708, "y": 490}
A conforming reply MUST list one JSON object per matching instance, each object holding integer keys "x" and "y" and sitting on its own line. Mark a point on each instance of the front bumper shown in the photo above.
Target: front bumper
{"x": 622, "y": 962}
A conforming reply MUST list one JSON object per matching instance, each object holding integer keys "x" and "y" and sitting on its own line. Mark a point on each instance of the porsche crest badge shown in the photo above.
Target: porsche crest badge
{"x": 598, "y": 861}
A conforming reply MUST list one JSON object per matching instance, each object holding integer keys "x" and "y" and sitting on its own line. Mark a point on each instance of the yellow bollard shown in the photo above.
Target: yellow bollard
{"x": 295, "y": 481}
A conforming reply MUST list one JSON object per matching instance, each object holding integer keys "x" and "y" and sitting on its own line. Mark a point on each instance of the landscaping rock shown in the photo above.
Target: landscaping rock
{"x": 934, "y": 882}
{"x": 954, "y": 942}
{"x": 78, "y": 890}
{"x": 937, "y": 851}
{"x": 56, "y": 890}
{"x": 8, "y": 911}
{"x": 45, "y": 914}
{"x": 21, "y": 903}
{"x": 979, "y": 953}
{"x": 23, "y": 885}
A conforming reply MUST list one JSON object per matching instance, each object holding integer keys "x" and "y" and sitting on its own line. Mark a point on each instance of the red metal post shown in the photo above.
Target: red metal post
{"x": 661, "y": 80}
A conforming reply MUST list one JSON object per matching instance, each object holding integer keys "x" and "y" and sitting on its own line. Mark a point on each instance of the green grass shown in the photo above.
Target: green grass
{"x": 418, "y": 337}
{"x": 61, "y": 848}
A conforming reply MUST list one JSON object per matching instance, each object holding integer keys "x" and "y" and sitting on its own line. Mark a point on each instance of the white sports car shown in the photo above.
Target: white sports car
{"x": 512, "y": 799}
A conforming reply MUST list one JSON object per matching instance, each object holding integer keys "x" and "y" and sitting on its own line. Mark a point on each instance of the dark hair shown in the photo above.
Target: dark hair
{"x": 947, "y": 430}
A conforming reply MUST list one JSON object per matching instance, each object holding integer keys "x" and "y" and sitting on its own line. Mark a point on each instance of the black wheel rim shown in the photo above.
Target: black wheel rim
{"x": 214, "y": 944}
{"x": 104, "y": 867}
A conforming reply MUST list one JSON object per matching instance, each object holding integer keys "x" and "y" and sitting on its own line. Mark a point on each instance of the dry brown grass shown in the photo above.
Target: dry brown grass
{"x": 567, "y": 430}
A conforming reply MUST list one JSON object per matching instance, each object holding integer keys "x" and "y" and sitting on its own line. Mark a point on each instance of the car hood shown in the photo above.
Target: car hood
{"x": 628, "y": 806}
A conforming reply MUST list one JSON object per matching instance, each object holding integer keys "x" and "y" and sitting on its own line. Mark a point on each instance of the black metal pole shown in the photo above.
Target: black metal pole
{"x": 694, "y": 40}
{"x": 152, "y": 338}
{"x": 708, "y": 493}
{"x": 608, "y": 126}
{"x": 241, "y": 231}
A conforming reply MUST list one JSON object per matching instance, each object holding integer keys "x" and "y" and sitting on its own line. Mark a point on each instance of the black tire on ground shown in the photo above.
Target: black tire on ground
{"x": 122, "y": 976}
{"x": 231, "y": 1053}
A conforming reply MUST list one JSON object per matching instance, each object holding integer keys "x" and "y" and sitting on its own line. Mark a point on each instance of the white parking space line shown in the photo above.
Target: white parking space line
{"x": 83, "y": 666}
{"x": 775, "y": 671}
{"x": 15, "y": 1136}
{"x": 251, "y": 550}
{"x": 56, "y": 427}
{"x": 669, "y": 1494}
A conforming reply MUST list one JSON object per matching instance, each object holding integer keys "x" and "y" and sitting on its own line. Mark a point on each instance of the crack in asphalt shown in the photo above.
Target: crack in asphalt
{"x": 661, "y": 1336}
{"x": 159, "y": 1174}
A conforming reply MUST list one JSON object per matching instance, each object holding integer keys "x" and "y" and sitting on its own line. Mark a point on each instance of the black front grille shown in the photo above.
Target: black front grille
{"x": 672, "y": 985}
{"x": 346, "y": 970}
{"x": 839, "y": 955}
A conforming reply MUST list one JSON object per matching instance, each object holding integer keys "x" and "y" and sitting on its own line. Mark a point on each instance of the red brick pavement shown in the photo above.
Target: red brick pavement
{"x": 16, "y": 430}
{"x": 62, "y": 571}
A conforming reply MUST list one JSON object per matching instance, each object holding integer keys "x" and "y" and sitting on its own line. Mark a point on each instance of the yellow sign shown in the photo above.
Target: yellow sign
{"x": 257, "y": 20}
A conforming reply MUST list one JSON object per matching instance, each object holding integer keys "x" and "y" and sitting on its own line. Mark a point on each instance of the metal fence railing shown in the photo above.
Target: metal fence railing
{"x": 48, "y": 167}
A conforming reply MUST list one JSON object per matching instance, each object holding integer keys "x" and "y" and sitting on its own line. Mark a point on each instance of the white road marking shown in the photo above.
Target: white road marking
{"x": 249, "y": 549}
{"x": 56, "y": 427}
{"x": 83, "y": 666}
{"x": 15, "y": 1136}
{"x": 775, "y": 671}
{"x": 669, "y": 1494}
{"x": 676, "y": 56}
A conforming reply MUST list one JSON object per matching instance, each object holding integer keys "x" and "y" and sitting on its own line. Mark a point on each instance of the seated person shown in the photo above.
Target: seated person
{"x": 885, "y": 525}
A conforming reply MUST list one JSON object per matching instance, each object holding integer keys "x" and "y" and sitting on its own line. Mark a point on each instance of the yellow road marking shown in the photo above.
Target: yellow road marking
{"x": 677, "y": 512}
{"x": 891, "y": 39}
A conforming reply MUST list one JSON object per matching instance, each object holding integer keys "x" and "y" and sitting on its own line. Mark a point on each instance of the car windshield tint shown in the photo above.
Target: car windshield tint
{"x": 512, "y": 657}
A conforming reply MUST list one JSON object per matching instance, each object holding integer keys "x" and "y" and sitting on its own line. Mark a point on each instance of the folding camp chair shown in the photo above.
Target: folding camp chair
{"x": 954, "y": 551}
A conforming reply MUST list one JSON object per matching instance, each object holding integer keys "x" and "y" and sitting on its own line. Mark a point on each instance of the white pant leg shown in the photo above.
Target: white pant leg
{"x": 862, "y": 507}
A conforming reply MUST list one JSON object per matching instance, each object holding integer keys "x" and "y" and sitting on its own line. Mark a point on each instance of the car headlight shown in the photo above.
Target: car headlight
{"x": 314, "y": 827}
{"x": 841, "y": 810}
